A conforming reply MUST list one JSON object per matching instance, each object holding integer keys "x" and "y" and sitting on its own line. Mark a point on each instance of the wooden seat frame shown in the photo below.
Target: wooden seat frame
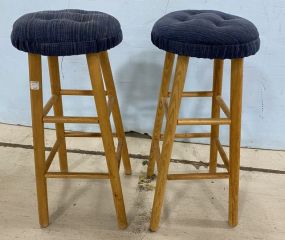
{"x": 100, "y": 75}
{"x": 169, "y": 104}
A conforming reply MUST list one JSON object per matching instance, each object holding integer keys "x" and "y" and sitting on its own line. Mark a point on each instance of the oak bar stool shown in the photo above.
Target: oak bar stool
{"x": 65, "y": 33}
{"x": 202, "y": 34}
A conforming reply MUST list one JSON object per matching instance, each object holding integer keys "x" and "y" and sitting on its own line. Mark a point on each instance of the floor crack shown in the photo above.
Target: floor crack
{"x": 196, "y": 164}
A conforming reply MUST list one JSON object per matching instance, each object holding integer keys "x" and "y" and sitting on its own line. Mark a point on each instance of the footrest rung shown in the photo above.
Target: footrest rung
{"x": 193, "y": 176}
{"x": 189, "y": 135}
{"x": 84, "y": 134}
{"x": 52, "y": 119}
{"x": 195, "y": 94}
{"x": 76, "y": 92}
{"x": 203, "y": 121}
{"x": 78, "y": 175}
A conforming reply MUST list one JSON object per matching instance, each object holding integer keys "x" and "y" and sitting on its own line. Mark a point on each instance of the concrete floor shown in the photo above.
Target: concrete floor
{"x": 83, "y": 209}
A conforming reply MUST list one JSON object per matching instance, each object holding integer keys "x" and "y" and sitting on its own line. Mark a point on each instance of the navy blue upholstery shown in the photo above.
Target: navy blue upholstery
{"x": 206, "y": 34}
{"x": 66, "y": 32}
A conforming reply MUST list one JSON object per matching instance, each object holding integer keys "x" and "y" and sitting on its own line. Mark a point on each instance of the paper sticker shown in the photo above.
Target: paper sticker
{"x": 34, "y": 85}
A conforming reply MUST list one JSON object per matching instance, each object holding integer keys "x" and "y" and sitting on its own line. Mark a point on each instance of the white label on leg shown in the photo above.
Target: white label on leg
{"x": 34, "y": 85}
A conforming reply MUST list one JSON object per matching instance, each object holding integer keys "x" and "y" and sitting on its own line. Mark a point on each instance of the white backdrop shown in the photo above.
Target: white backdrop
{"x": 137, "y": 67}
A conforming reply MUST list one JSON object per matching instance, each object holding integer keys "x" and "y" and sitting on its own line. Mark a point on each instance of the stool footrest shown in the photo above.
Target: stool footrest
{"x": 193, "y": 176}
{"x": 84, "y": 134}
{"x": 75, "y": 92}
{"x": 52, "y": 119}
{"x": 204, "y": 121}
{"x": 78, "y": 175}
{"x": 196, "y": 94}
{"x": 189, "y": 135}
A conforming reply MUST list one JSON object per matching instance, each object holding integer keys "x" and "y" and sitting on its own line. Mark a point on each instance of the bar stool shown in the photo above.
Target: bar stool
{"x": 65, "y": 33}
{"x": 202, "y": 34}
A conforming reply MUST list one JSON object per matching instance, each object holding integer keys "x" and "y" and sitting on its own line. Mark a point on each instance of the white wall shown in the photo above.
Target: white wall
{"x": 137, "y": 66}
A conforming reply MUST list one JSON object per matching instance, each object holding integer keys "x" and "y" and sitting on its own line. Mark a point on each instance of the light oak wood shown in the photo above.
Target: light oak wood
{"x": 35, "y": 72}
{"x": 223, "y": 106}
{"x": 84, "y": 134}
{"x": 155, "y": 150}
{"x": 58, "y": 110}
{"x": 110, "y": 87}
{"x": 189, "y": 135}
{"x": 49, "y": 104}
{"x": 77, "y": 175}
{"x": 233, "y": 118}
{"x": 52, "y": 154}
{"x": 105, "y": 126}
{"x": 110, "y": 105}
{"x": 217, "y": 91}
{"x": 50, "y": 119}
{"x": 222, "y": 154}
{"x": 196, "y": 94}
{"x": 165, "y": 106}
{"x": 197, "y": 176}
{"x": 119, "y": 151}
{"x": 104, "y": 109}
{"x": 75, "y": 92}
{"x": 203, "y": 121}
{"x": 235, "y": 132}
{"x": 173, "y": 111}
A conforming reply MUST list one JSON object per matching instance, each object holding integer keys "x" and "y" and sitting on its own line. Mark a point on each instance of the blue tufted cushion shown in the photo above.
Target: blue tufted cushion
{"x": 206, "y": 34}
{"x": 66, "y": 32}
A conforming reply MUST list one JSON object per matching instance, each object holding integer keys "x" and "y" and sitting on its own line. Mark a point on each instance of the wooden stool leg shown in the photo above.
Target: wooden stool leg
{"x": 154, "y": 150}
{"x": 235, "y": 131}
{"x": 173, "y": 112}
{"x": 217, "y": 91}
{"x": 110, "y": 87}
{"x": 35, "y": 71}
{"x": 107, "y": 137}
{"x": 58, "y": 110}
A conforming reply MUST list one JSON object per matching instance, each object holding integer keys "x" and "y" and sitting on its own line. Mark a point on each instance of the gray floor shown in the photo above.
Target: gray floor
{"x": 83, "y": 209}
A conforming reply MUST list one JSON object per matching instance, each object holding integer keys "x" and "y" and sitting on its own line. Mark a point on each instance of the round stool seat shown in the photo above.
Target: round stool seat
{"x": 66, "y": 32}
{"x": 206, "y": 34}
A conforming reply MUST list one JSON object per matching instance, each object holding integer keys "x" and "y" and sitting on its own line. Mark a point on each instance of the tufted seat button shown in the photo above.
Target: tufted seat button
{"x": 66, "y": 32}
{"x": 206, "y": 34}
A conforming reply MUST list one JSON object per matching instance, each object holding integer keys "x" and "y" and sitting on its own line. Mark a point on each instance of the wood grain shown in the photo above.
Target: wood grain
{"x": 77, "y": 92}
{"x": 217, "y": 91}
{"x": 110, "y": 87}
{"x": 77, "y": 175}
{"x": 75, "y": 119}
{"x": 173, "y": 111}
{"x": 58, "y": 110}
{"x": 222, "y": 154}
{"x": 223, "y": 106}
{"x": 235, "y": 130}
{"x": 154, "y": 149}
{"x": 35, "y": 72}
{"x": 203, "y": 121}
{"x": 107, "y": 137}
{"x": 196, "y": 94}
{"x": 197, "y": 176}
